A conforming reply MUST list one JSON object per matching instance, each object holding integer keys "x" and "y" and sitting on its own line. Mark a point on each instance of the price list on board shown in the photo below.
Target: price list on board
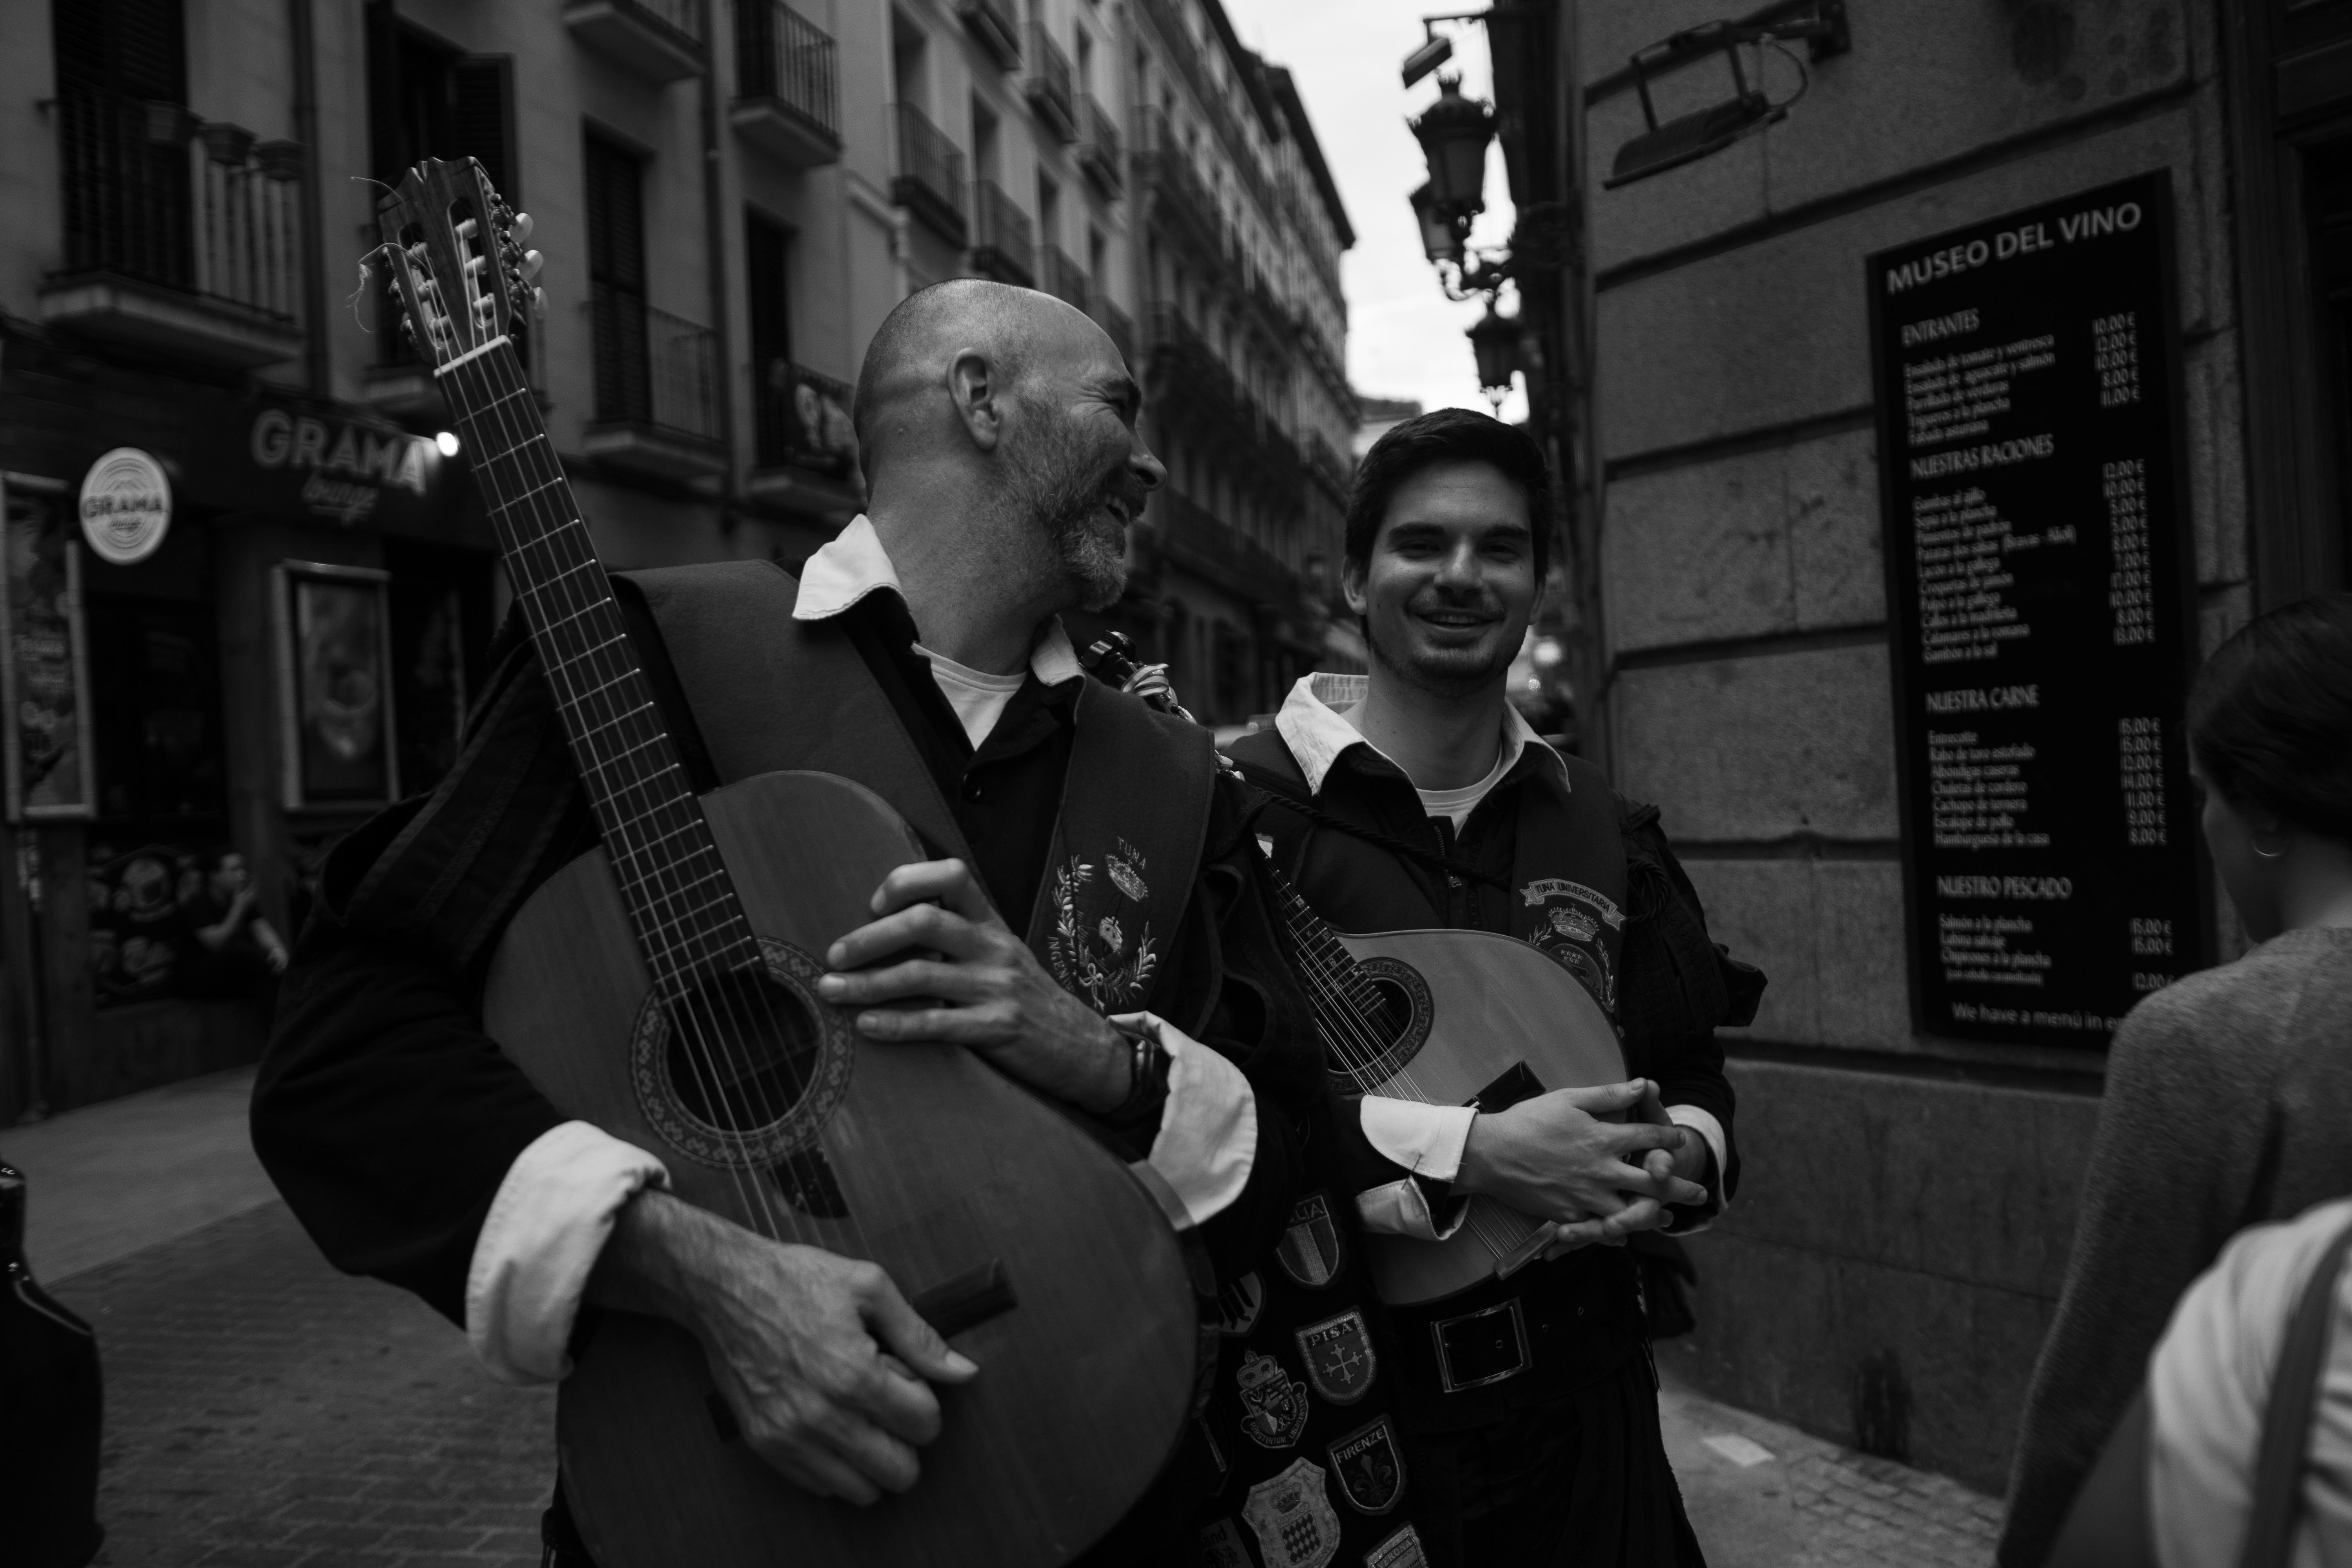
{"x": 2040, "y": 590}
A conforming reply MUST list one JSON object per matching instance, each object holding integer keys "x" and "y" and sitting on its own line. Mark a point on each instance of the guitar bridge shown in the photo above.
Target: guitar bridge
{"x": 1507, "y": 1091}
{"x": 967, "y": 1301}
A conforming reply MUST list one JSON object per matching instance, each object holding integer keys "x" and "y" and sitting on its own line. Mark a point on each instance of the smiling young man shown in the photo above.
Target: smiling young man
{"x": 1415, "y": 797}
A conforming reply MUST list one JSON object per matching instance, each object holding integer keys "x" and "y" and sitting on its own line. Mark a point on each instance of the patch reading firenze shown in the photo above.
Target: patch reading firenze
{"x": 1370, "y": 1468}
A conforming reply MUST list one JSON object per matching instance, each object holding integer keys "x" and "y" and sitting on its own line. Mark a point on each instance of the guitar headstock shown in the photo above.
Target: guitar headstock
{"x": 455, "y": 250}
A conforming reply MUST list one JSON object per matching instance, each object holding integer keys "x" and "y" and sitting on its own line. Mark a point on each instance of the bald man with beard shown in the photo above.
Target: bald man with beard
{"x": 922, "y": 652}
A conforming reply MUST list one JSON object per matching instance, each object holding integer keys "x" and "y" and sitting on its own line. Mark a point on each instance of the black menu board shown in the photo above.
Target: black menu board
{"x": 2039, "y": 591}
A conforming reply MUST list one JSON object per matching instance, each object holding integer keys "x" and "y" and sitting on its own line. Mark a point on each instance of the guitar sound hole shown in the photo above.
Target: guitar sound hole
{"x": 1405, "y": 1013}
{"x": 1395, "y": 1015}
{"x": 742, "y": 1050}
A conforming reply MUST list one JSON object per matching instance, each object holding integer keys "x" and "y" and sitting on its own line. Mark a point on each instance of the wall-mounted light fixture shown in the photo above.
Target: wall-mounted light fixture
{"x": 1496, "y": 343}
{"x": 1689, "y": 137}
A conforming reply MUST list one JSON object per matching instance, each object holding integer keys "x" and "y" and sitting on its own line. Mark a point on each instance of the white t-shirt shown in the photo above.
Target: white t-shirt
{"x": 977, "y": 697}
{"x": 1458, "y": 804}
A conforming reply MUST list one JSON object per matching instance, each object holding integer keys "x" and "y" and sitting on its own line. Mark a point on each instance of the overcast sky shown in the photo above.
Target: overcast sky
{"x": 1404, "y": 337}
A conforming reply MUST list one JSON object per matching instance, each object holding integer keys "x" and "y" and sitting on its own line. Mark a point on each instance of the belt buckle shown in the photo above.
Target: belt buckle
{"x": 1479, "y": 1348}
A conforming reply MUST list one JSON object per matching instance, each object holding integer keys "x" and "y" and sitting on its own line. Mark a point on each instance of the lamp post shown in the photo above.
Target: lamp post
{"x": 1454, "y": 133}
{"x": 1494, "y": 341}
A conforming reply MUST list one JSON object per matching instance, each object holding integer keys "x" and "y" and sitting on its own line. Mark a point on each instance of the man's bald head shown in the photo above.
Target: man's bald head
{"x": 912, "y": 350}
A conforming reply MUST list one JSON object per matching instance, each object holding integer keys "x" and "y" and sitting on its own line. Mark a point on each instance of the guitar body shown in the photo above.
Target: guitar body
{"x": 1481, "y": 1005}
{"x": 986, "y": 1206}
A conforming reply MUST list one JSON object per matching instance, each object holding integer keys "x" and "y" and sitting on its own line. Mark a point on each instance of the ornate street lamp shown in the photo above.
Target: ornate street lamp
{"x": 1441, "y": 239}
{"x": 1454, "y": 133}
{"x": 1496, "y": 343}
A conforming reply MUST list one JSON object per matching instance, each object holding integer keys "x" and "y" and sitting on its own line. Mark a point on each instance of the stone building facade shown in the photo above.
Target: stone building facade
{"x": 729, "y": 195}
{"x": 1889, "y": 1268}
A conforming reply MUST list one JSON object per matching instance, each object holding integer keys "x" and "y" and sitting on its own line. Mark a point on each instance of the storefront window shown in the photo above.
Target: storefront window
{"x": 156, "y": 710}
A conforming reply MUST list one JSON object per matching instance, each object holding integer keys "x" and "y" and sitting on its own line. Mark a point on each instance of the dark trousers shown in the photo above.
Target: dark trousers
{"x": 1577, "y": 1481}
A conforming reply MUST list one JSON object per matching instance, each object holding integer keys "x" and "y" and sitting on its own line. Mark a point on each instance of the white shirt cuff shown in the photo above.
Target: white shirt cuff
{"x": 546, "y": 1227}
{"x": 1703, "y": 1123}
{"x": 1207, "y": 1140}
{"x": 1427, "y": 1140}
{"x": 1401, "y": 1208}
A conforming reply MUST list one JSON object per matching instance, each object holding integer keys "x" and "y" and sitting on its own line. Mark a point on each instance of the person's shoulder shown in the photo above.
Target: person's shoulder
{"x": 1265, "y": 749}
{"x": 2224, "y": 1010}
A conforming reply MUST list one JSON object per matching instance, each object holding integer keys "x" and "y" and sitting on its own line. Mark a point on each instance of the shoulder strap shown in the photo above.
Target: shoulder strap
{"x": 769, "y": 692}
{"x": 2287, "y": 1424}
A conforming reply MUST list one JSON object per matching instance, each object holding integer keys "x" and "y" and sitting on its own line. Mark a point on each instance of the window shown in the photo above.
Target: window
{"x": 768, "y": 277}
{"x": 427, "y": 99}
{"x": 1049, "y": 211}
{"x": 1098, "y": 257}
{"x": 125, "y": 196}
{"x": 984, "y": 143}
{"x": 617, "y": 280}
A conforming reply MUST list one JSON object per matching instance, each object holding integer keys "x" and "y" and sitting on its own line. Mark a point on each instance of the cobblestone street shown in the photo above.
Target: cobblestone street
{"x": 264, "y": 1411}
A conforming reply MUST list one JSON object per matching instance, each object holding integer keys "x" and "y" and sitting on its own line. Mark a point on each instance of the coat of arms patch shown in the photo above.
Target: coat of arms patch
{"x": 1274, "y": 1403}
{"x": 1370, "y": 1468}
{"x": 1294, "y": 1524}
{"x": 1093, "y": 952}
{"x": 1401, "y": 1549}
{"x": 1339, "y": 1355}
{"x": 1309, "y": 1250}
{"x": 1220, "y": 1546}
{"x": 1571, "y": 933}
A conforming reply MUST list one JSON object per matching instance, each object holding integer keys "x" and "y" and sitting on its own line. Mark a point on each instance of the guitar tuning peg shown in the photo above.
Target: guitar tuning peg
{"x": 538, "y": 304}
{"x": 521, "y": 227}
{"x": 531, "y": 262}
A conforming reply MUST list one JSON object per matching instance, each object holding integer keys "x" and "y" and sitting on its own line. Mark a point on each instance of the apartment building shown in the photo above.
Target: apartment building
{"x": 1240, "y": 230}
{"x": 272, "y": 621}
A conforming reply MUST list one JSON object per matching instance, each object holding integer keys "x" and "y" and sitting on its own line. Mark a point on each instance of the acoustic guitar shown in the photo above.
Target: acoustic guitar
{"x": 1444, "y": 1017}
{"x": 662, "y": 987}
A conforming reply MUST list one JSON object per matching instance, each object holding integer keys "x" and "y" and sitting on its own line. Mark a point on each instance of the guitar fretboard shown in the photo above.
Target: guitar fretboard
{"x": 1352, "y": 1016}
{"x": 681, "y": 902}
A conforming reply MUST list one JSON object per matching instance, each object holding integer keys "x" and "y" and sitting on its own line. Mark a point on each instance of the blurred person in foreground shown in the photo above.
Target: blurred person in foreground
{"x": 2229, "y": 1103}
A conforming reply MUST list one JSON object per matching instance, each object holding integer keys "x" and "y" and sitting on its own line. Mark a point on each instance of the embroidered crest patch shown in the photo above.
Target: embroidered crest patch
{"x": 1274, "y": 1403}
{"x": 1239, "y": 1303}
{"x": 1220, "y": 1546}
{"x": 1339, "y": 1359}
{"x": 1370, "y": 1468}
{"x": 1401, "y": 1549}
{"x": 1572, "y": 935}
{"x": 1294, "y": 1524}
{"x": 1309, "y": 1250}
{"x": 1093, "y": 952}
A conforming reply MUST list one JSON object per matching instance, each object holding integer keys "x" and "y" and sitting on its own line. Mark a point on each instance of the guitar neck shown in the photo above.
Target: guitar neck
{"x": 681, "y": 903}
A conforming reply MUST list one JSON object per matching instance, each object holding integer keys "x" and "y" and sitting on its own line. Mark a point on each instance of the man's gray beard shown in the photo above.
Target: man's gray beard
{"x": 1449, "y": 683}
{"x": 1046, "y": 482}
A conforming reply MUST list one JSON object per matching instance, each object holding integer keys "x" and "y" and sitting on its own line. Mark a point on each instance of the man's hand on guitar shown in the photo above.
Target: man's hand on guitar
{"x": 1553, "y": 1156}
{"x": 971, "y": 982}
{"x": 816, "y": 1355}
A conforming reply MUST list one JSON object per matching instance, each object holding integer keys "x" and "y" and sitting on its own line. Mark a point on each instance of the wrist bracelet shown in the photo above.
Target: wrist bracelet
{"x": 1146, "y": 1082}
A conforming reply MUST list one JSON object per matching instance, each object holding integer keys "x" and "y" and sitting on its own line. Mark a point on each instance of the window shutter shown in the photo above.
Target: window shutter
{"x": 385, "y": 147}
{"x": 484, "y": 89}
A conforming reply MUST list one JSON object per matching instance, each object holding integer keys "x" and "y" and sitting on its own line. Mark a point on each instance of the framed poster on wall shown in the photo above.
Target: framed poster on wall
{"x": 334, "y": 686}
{"x": 44, "y": 657}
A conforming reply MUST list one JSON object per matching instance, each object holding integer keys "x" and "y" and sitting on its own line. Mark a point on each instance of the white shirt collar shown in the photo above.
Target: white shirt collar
{"x": 854, "y": 564}
{"x": 1311, "y": 726}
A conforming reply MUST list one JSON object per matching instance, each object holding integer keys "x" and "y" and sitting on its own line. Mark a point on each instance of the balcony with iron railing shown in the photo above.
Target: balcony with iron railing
{"x": 660, "y": 40}
{"x": 1003, "y": 246}
{"x": 991, "y": 25}
{"x": 1189, "y": 377}
{"x": 179, "y": 235}
{"x": 1060, "y": 275}
{"x": 1199, "y": 541}
{"x": 788, "y": 94}
{"x": 1180, "y": 205}
{"x": 656, "y": 389}
{"x": 1049, "y": 88}
{"x": 1099, "y": 148}
{"x": 1117, "y": 324}
{"x": 801, "y": 419}
{"x": 929, "y": 181}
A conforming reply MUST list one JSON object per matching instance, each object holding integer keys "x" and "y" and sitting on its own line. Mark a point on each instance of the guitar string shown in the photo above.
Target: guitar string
{"x": 477, "y": 378}
{"x": 1360, "y": 1052}
{"x": 691, "y": 1010}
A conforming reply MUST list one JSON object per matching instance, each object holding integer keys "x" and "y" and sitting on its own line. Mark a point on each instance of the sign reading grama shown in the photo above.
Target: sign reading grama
{"x": 2041, "y": 590}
